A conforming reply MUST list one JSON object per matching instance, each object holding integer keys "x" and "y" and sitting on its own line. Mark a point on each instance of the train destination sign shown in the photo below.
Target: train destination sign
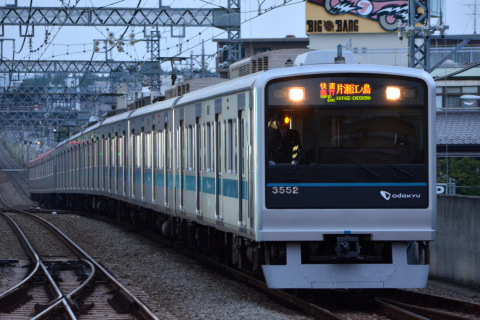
{"x": 332, "y": 92}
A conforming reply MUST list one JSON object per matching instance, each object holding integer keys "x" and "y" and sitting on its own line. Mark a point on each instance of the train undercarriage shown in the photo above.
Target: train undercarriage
{"x": 312, "y": 264}
{"x": 226, "y": 247}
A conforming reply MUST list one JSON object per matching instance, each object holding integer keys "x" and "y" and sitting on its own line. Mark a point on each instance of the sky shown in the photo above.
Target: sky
{"x": 276, "y": 20}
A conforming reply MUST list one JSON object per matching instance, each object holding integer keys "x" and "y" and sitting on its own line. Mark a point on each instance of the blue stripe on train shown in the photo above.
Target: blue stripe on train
{"x": 226, "y": 187}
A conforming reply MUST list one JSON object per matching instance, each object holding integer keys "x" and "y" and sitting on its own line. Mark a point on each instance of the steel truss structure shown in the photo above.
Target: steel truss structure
{"x": 420, "y": 33}
{"x": 222, "y": 18}
{"x": 45, "y": 97}
{"x": 65, "y": 66}
{"x": 21, "y": 120}
{"x": 33, "y": 107}
{"x": 56, "y": 105}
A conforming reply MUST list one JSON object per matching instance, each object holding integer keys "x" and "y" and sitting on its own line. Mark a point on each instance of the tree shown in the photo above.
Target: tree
{"x": 465, "y": 172}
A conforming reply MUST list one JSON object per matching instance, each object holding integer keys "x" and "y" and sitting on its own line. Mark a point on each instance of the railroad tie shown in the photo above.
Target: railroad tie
{"x": 121, "y": 302}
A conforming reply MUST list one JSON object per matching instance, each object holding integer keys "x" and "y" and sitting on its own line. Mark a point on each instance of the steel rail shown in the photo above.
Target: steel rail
{"x": 59, "y": 299}
{"x": 307, "y": 307}
{"x": 397, "y": 312}
{"x": 141, "y": 307}
{"x": 427, "y": 312}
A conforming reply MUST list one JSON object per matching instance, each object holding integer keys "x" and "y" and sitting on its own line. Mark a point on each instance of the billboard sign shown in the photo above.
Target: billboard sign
{"x": 355, "y": 16}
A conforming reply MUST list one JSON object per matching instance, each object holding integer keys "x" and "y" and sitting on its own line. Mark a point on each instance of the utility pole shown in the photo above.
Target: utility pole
{"x": 474, "y": 14}
{"x": 202, "y": 64}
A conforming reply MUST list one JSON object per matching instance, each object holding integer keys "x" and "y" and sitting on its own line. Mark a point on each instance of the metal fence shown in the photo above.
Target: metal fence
{"x": 399, "y": 56}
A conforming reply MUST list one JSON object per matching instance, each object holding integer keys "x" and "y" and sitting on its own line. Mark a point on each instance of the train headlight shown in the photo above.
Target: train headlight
{"x": 393, "y": 93}
{"x": 296, "y": 94}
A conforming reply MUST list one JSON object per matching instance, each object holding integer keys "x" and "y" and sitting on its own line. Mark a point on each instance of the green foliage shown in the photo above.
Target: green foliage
{"x": 465, "y": 172}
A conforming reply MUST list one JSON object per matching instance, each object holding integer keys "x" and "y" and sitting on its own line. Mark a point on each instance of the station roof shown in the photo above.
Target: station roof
{"x": 458, "y": 127}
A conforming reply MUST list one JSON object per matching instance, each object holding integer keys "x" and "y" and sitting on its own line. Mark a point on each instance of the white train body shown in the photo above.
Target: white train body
{"x": 348, "y": 212}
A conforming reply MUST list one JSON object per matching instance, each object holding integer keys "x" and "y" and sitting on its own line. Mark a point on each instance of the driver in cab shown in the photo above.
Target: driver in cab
{"x": 285, "y": 144}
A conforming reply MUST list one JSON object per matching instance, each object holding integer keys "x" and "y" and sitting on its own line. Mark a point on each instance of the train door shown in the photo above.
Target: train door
{"x": 112, "y": 164}
{"x": 134, "y": 147}
{"x": 243, "y": 166}
{"x": 197, "y": 165}
{"x": 101, "y": 164}
{"x": 220, "y": 156}
{"x": 119, "y": 167}
{"x": 115, "y": 160}
{"x": 154, "y": 161}
{"x": 124, "y": 163}
{"x": 83, "y": 171}
{"x": 87, "y": 164}
{"x": 180, "y": 187}
{"x": 90, "y": 164}
{"x": 209, "y": 171}
{"x": 104, "y": 163}
{"x": 143, "y": 157}
{"x": 169, "y": 150}
{"x": 107, "y": 163}
{"x": 159, "y": 165}
{"x": 96, "y": 171}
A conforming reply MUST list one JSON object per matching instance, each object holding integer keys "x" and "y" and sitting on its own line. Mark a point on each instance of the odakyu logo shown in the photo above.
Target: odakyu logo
{"x": 387, "y": 195}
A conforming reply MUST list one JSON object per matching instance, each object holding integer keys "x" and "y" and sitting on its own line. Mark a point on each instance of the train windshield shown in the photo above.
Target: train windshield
{"x": 344, "y": 128}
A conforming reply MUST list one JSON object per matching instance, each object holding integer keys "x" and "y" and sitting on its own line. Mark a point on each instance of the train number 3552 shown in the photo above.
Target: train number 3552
{"x": 285, "y": 190}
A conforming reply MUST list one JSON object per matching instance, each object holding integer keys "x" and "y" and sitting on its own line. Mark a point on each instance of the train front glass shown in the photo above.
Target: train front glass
{"x": 346, "y": 142}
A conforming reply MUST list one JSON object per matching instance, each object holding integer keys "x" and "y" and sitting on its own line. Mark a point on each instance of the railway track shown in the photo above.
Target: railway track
{"x": 334, "y": 304}
{"x": 64, "y": 282}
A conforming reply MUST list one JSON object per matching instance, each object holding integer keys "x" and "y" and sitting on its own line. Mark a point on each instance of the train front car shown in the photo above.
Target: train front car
{"x": 346, "y": 185}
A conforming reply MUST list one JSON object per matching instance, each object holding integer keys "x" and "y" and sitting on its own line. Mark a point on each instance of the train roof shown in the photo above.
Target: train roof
{"x": 236, "y": 85}
{"x": 158, "y": 106}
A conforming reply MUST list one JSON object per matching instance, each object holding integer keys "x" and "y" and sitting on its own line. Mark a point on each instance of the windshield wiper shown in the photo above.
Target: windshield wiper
{"x": 410, "y": 175}
{"x": 376, "y": 175}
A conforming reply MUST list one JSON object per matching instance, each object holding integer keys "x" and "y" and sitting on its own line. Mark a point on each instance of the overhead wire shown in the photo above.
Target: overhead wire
{"x": 26, "y": 30}
{"x": 190, "y": 47}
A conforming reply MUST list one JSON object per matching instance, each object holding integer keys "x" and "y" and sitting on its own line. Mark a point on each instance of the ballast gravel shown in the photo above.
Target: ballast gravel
{"x": 173, "y": 282}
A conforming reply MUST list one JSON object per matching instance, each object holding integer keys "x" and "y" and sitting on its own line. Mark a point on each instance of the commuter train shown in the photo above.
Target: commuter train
{"x": 317, "y": 175}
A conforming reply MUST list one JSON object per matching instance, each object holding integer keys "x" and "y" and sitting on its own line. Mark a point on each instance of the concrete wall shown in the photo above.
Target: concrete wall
{"x": 455, "y": 255}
